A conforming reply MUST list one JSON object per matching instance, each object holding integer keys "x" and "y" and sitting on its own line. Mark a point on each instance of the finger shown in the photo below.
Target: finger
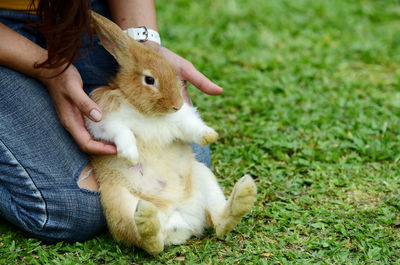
{"x": 100, "y": 148}
{"x": 85, "y": 141}
{"x": 89, "y": 145}
{"x": 191, "y": 74}
{"x": 85, "y": 104}
{"x": 185, "y": 93}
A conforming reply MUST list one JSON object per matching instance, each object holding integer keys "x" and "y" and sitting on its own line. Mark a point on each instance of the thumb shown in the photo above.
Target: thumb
{"x": 85, "y": 104}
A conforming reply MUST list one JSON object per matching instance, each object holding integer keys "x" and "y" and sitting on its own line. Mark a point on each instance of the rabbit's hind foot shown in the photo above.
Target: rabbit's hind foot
{"x": 240, "y": 202}
{"x": 149, "y": 227}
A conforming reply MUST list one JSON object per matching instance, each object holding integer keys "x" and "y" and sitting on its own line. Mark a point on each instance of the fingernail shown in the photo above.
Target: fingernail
{"x": 95, "y": 114}
{"x": 112, "y": 150}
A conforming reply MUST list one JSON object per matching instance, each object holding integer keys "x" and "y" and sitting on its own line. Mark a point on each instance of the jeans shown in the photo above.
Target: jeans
{"x": 40, "y": 162}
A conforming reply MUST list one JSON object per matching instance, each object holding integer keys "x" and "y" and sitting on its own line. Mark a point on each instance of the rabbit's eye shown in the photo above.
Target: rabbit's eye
{"x": 149, "y": 80}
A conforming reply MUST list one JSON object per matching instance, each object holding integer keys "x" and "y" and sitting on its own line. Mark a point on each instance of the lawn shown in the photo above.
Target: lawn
{"x": 311, "y": 109}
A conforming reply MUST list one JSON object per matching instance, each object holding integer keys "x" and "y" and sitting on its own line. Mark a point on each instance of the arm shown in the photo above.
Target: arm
{"x": 135, "y": 13}
{"x": 20, "y": 54}
{"x": 70, "y": 101}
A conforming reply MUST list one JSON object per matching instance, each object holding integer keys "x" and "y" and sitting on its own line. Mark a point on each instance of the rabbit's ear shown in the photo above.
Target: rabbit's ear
{"x": 113, "y": 39}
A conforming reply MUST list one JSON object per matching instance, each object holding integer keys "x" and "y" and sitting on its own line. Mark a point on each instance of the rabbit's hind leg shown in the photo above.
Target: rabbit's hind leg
{"x": 149, "y": 227}
{"x": 239, "y": 203}
{"x": 212, "y": 196}
{"x": 220, "y": 214}
{"x": 131, "y": 220}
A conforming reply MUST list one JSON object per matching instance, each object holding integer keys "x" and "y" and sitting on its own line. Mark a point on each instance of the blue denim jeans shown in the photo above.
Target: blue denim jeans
{"x": 39, "y": 161}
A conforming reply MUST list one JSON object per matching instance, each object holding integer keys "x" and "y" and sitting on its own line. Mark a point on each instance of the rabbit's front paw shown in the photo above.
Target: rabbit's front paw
{"x": 130, "y": 153}
{"x": 208, "y": 137}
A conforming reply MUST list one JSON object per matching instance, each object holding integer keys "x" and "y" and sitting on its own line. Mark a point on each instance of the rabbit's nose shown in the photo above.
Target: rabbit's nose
{"x": 177, "y": 105}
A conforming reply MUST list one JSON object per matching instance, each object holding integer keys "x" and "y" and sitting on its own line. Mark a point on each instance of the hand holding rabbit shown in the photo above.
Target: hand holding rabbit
{"x": 71, "y": 102}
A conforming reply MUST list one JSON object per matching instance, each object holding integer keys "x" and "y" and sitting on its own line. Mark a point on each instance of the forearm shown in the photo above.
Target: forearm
{"x": 20, "y": 54}
{"x": 134, "y": 13}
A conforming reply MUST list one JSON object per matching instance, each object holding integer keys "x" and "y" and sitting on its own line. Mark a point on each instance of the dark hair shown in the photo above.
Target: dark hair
{"x": 64, "y": 24}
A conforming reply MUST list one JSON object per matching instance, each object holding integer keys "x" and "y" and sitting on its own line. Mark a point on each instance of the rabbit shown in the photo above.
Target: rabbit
{"x": 154, "y": 192}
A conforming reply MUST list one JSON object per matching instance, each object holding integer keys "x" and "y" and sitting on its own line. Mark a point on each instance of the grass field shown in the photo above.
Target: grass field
{"x": 311, "y": 109}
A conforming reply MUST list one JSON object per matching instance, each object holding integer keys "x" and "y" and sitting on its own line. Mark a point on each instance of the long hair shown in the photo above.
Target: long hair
{"x": 64, "y": 25}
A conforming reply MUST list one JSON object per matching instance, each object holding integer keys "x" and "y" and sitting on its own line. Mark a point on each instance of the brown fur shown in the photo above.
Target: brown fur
{"x": 135, "y": 59}
{"x": 107, "y": 98}
{"x": 209, "y": 219}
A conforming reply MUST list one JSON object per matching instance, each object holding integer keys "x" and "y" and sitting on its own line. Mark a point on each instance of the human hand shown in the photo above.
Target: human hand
{"x": 71, "y": 102}
{"x": 186, "y": 72}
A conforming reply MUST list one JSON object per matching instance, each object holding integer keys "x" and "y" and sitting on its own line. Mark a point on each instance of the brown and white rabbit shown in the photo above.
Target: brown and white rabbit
{"x": 155, "y": 193}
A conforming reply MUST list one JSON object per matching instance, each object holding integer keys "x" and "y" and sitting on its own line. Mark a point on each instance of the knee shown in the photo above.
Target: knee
{"x": 78, "y": 219}
{"x": 87, "y": 179}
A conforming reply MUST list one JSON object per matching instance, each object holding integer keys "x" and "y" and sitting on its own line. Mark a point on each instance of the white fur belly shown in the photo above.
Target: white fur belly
{"x": 162, "y": 185}
{"x": 164, "y": 171}
{"x": 184, "y": 221}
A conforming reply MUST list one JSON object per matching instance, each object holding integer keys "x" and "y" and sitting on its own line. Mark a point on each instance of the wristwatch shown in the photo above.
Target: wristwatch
{"x": 143, "y": 34}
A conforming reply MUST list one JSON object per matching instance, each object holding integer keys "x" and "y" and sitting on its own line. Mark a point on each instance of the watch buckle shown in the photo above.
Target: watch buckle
{"x": 145, "y": 33}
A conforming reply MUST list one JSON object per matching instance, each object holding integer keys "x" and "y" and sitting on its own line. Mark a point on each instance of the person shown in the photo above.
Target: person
{"x": 46, "y": 72}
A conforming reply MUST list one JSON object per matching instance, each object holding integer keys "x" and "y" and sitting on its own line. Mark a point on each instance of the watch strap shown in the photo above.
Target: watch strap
{"x": 143, "y": 34}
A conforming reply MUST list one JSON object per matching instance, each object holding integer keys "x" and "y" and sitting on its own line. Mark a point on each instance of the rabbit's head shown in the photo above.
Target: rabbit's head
{"x": 146, "y": 79}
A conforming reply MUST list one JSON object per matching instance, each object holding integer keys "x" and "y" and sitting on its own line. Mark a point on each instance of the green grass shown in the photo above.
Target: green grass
{"x": 311, "y": 109}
